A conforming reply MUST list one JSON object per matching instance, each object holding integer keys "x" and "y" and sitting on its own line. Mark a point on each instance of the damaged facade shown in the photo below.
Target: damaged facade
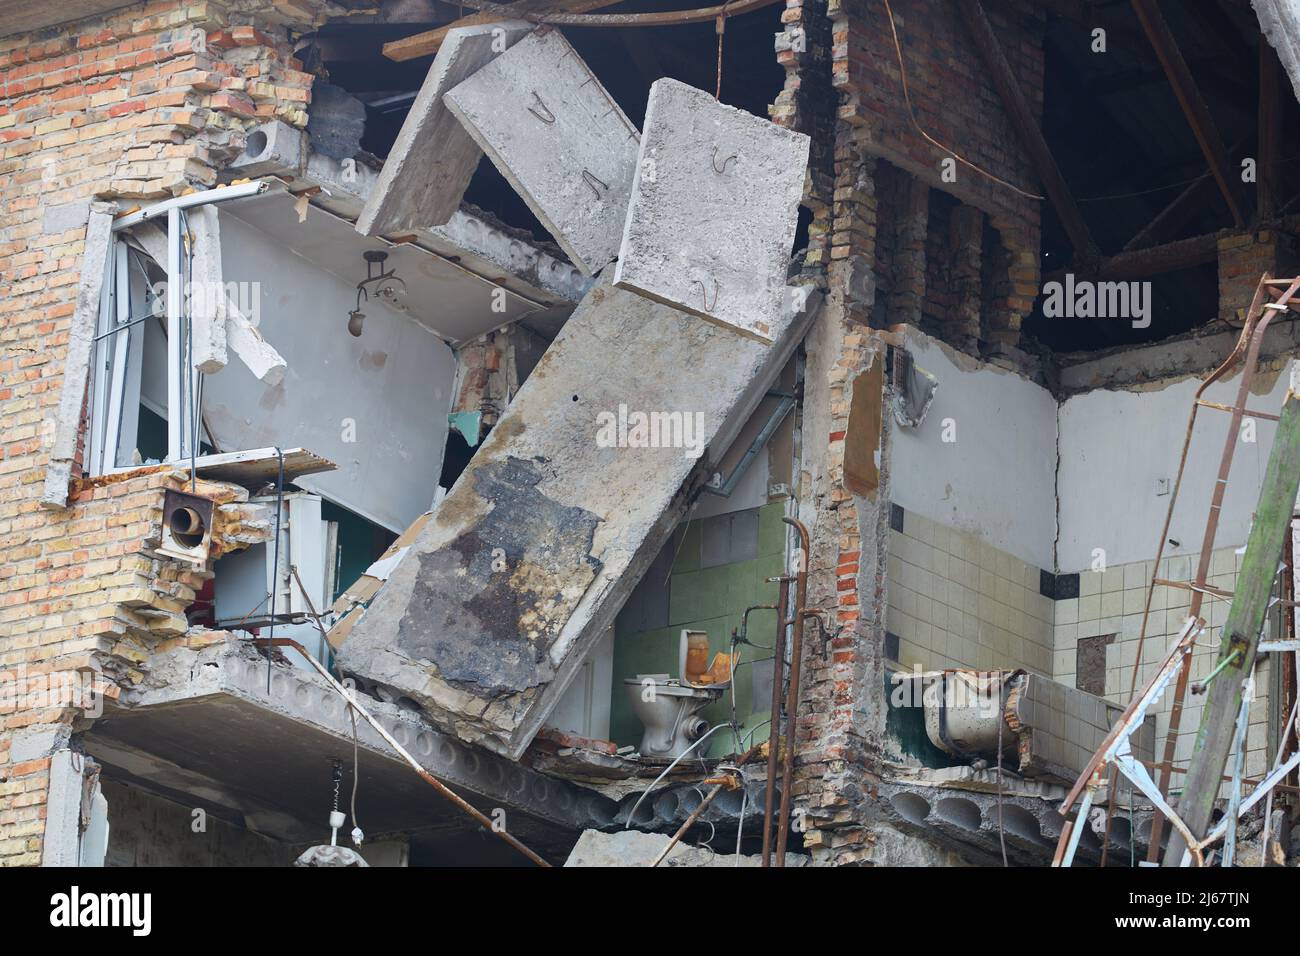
{"x": 771, "y": 453}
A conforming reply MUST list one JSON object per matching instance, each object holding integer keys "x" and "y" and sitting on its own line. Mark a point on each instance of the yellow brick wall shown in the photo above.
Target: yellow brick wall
{"x": 140, "y": 104}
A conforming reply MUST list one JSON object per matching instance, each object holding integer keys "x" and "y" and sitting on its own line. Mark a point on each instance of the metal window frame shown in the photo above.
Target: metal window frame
{"x": 114, "y": 336}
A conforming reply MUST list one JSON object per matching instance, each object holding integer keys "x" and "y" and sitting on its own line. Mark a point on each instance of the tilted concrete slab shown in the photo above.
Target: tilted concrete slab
{"x": 496, "y": 603}
{"x": 713, "y": 211}
{"x": 433, "y": 159}
{"x": 558, "y": 137}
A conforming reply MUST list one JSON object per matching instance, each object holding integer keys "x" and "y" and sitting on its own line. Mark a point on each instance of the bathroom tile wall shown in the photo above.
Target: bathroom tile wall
{"x": 708, "y": 573}
{"x": 1111, "y": 602}
{"x": 955, "y": 601}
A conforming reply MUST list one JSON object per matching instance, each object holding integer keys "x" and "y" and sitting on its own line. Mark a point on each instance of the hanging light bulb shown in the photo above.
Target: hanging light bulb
{"x": 333, "y": 854}
{"x": 385, "y": 284}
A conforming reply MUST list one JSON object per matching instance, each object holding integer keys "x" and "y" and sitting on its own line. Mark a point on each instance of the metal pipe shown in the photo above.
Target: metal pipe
{"x": 774, "y": 421}
{"x": 201, "y": 198}
{"x": 1257, "y": 320}
{"x": 427, "y": 777}
{"x": 792, "y": 698}
{"x": 774, "y": 722}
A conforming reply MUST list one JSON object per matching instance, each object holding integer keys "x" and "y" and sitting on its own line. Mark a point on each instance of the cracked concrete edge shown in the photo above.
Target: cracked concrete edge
{"x": 235, "y": 670}
{"x": 596, "y": 607}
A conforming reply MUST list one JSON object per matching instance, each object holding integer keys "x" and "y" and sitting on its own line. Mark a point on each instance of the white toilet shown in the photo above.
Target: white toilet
{"x": 669, "y": 709}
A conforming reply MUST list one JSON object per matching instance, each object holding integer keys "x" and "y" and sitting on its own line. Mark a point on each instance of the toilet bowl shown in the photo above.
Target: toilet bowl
{"x": 669, "y": 711}
{"x": 668, "y": 708}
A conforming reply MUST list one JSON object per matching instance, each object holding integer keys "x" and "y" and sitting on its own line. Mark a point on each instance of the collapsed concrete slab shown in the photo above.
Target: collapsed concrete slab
{"x": 432, "y": 160}
{"x": 713, "y": 210}
{"x": 633, "y": 848}
{"x": 553, "y": 131}
{"x": 493, "y": 607}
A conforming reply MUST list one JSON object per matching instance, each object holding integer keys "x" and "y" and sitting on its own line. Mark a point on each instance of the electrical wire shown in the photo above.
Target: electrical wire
{"x": 676, "y": 760}
{"x": 356, "y": 765}
{"x": 911, "y": 112}
{"x": 1002, "y": 719}
{"x": 275, "y": 565}
{"x": 740, "y": 826}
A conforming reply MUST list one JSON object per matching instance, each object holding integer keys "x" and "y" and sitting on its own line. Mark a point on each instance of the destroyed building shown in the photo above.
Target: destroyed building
{"x": 610, "y": 433}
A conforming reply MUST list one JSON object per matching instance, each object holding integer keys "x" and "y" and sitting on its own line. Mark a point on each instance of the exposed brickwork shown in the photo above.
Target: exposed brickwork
{"x": 898, "y": 244}
{"x": 956, "y": 104}
{"x": 1243, "y": 259}
{"x": 141, "y": 104}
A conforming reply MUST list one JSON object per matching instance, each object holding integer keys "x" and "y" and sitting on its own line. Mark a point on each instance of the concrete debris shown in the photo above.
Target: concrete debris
{"x": 634, "y": 848}
{"x": 713, "y": 211}
{"x": 207, "y": 291}
{"x": 336, "y": 122}
{"x": 553, "y": 131}
{"x": 240, "y": 335}
{"x": 431, "y": 162}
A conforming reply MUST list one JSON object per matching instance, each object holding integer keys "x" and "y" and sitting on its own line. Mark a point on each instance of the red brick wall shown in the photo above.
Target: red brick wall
{"x": 141, "y": 104}
{"x": 956, "y": 104}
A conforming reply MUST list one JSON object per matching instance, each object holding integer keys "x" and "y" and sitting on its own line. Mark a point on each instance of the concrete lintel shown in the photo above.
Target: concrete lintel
{"x": 559, "y": 138}
{"x": 713, "y": 210}
{"x": 222, "y": 689}
{"x": 76, "y": 364}
{"x": 433, "y": 159}
{"x": 490, "y": 613}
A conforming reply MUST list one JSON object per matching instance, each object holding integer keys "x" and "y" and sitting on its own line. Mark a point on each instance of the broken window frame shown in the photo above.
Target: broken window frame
{"x": 119, "y": 337}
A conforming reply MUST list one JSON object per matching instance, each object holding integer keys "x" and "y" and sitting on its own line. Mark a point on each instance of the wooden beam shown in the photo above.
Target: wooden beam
{"x": 1026, "y": 125}
{"x": 572, "y": 13}
{"x": 1193, "y": 105}
{"x": 1240, "y": 641}
{"x": 1269, "y": 152}
{"x": 1180, "y": 202}
{"x": 1179, "y": 210}
{"x": 427, "y": 42}
{"x": 1154, "y": 260}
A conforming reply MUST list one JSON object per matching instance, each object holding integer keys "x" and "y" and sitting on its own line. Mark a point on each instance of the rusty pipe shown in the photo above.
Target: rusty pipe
{"x": 778, "y": 669}
{"x": 792, "y": 697}
{"x": 388, "y": 738}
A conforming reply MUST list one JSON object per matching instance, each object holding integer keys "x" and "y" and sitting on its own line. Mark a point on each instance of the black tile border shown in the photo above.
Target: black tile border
{"x": 1058, "y": 587}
